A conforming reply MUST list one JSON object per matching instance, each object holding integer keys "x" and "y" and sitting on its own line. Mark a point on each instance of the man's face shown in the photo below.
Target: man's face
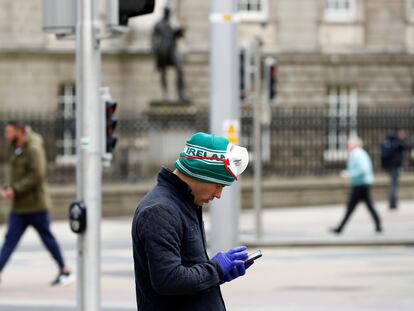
{"x": 402, "y": 135}
{"x": 205, "y": 192}
{"x": 11, "y": 134}
{"x": 351, "y": 146}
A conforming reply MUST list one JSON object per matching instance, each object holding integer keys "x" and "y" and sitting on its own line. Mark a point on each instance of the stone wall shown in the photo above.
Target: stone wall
{"x": 30, "y": 81}
{"x": 33, "y": 64}
{"x": 297, "y": 26}
{"x": 379, "y": 79}
{"x": 20, "y": 23}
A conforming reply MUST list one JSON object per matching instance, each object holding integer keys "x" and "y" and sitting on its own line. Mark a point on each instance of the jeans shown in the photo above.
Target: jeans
{"x": 394, "y": 176}
{"x": 17, "y": 225}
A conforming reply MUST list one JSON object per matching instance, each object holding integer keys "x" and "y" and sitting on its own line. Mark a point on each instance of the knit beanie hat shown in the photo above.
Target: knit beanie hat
{"x": 212, "y": 159}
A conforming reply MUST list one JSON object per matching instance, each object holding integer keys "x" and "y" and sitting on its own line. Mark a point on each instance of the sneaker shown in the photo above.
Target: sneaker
{"x": 63, "y": 279}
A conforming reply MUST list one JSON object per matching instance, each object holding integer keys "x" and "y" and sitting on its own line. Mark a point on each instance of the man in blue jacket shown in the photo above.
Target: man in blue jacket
{"x": 392, "y": 155}
{"x": 172, "y": 268}
{"x": 359, "y": 172}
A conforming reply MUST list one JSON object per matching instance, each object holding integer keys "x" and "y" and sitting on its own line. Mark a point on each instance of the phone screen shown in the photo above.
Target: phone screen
{"x": 253, "y": 256}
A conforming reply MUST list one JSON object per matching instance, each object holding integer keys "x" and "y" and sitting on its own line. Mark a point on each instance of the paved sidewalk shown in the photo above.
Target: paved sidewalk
{"x": 290, "y": 226}
{"x": 309, "y": 226}
{"x": 339, "y": 278}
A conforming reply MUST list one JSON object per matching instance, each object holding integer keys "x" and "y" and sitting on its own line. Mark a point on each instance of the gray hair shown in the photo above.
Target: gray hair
{"x": 355, "y": 140}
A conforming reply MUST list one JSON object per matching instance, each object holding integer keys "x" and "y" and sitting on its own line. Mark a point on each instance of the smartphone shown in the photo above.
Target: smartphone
{"x": 253, "y": 256}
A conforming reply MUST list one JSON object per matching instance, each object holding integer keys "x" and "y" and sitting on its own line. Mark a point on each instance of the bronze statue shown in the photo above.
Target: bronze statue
{"x": 164, "y": 39}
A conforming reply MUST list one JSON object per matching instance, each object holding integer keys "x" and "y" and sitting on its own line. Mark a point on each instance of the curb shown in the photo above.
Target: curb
{"x": 359, "y": 243}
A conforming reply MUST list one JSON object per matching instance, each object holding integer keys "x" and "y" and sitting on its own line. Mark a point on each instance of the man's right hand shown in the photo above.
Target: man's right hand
{"x": 344, "y": 174}
{"x": 7, "y": 193}
{"x": 231, "y": 261}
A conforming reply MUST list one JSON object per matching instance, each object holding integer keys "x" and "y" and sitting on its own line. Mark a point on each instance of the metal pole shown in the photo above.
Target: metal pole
{"x": 268, "y": 63}
{"x": 89, "y": 169}
{"x": 224, "y": 106}
{"x": 257, "y": 142}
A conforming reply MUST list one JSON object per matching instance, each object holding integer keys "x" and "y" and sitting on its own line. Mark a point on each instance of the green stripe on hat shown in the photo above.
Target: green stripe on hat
{"x": 209, "y": 171}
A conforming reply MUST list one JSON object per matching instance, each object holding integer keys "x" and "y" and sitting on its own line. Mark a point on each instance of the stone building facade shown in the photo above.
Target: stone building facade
{"x": 368, "y": 44}
{"x": 341, "y": 54}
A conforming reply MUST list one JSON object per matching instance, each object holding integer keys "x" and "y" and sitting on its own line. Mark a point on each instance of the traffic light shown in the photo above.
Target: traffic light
{"x": 110, "y": 125}
{"x": 273, "y": 81}
{"x": 242, "y": 74}
{"x": 119, "y": 11}
{"x": 270, "y": 77}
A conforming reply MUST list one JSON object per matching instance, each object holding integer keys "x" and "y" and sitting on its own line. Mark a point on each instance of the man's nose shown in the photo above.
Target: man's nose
{"x": 218, "y": 193}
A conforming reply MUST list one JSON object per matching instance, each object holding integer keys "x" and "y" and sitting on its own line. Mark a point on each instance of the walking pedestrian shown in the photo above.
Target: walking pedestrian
{"x": 172, "y": 268}
{"x": 28, "y": 194}
{"x": 359, "y": 172}
{"x": 392, "y": 155}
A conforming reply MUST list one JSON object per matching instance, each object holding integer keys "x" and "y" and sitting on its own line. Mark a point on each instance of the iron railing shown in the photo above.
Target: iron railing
{"x": 298, "y": 140}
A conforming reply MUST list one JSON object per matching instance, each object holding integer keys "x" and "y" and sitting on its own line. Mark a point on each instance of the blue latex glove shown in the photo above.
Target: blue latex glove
{"x": 232, "y": 262}
{"x": 234, "y": 273}
{"x": 237, "y": 271}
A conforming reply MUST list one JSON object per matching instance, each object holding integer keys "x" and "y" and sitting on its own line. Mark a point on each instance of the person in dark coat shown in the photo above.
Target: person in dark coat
{"x": 172, "y": 268}
{"x": 392, "y": 155}
{"x": 164, "y": 49}
{"x": 28, "y": 193}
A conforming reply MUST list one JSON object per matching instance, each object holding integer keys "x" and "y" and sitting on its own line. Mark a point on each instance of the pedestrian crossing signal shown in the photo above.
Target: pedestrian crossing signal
{"x": 110, "y": 125}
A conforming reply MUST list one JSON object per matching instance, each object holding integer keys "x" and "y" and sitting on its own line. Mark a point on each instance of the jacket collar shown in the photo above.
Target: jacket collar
{"x": 166, "y": 177}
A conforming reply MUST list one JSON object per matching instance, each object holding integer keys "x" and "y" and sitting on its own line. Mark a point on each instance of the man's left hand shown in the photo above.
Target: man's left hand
{"x": 237, "y": 271}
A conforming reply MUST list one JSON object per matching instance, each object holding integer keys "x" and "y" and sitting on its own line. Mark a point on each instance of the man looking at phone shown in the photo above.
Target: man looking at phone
{"x": 172, "y": 268}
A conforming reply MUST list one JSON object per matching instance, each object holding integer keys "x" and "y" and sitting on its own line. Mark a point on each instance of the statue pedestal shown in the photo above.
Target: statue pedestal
{"x": 167, "y": 111}
{"x": 169, "y": 103}
{"x": 171, "y": 123}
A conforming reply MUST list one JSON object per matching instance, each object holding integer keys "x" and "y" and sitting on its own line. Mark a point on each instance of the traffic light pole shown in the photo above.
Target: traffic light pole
{"x": 89, "y": 146}
{"x": 224, "y": 108}
{"x": 257, "y": 142}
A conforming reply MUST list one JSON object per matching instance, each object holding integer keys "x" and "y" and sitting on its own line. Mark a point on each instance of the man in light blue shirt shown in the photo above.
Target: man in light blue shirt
{"x": 360, "y": 174}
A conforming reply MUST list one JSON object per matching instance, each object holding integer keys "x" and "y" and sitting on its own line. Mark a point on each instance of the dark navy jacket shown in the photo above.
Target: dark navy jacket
{"x": 398, "y": 147}
{"x": 172, "y": 268}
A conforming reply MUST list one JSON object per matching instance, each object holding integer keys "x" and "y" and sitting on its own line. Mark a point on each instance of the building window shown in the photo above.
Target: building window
{"x": 66, "y": 141}
{"x": 340, "y": 10}
{"x": 342, "y": 123}
{"x": 253, "y": 10}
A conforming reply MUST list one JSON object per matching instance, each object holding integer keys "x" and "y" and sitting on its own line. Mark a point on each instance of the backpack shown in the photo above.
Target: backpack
{"x": 386, "y": 153}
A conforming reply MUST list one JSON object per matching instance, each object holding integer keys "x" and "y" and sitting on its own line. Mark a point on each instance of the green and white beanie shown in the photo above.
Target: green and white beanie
{"x": 212, "y": 159}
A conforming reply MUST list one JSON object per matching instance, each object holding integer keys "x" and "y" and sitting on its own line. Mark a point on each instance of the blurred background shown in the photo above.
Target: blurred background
{"x": 342, "y": 67}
